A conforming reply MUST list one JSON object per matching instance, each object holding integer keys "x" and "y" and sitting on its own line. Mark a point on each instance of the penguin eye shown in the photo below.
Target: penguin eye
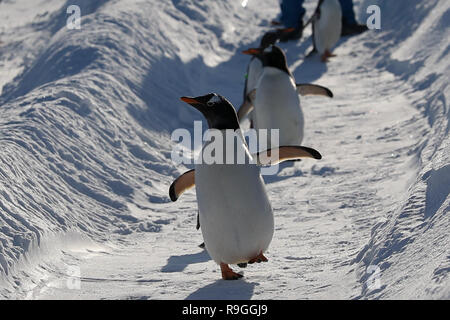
{"x": 213, "y": 100}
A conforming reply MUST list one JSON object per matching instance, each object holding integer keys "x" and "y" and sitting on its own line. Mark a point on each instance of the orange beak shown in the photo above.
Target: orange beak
{"x": 189, "y": 100}
{"x": 252, "y": 51}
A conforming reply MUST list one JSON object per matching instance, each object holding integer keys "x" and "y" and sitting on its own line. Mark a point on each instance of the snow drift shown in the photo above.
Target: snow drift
{"x": 85, "y": 128}
{"x": 412, "y": 246}
{"x": 85, "y": 136}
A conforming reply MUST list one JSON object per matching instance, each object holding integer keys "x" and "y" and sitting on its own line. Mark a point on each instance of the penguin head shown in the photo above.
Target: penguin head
{"x": 217, "y": 110}
{"x": 274, "y": 57}
{"x": 271, "y": 37}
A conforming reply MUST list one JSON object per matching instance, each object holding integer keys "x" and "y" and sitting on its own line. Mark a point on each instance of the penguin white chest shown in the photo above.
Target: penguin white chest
{"x": 327, "y": 28}
{"x": 255, "y": 70}
{"x": 277, "y": 106}
{"x": 235, "y": 213}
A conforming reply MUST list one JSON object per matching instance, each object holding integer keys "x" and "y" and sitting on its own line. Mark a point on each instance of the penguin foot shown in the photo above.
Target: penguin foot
{"x": 228, "y": 274}
{"x": 259, "y": 258}
{"x": 326, "y": 56}
{"x": 242, "y": 265}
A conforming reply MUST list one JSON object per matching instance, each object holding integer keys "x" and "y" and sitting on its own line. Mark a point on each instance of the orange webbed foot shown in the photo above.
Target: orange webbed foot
{"x": 329, "y": 54}
{"x": 228, "y": 274}
{"x": 326, "y": 56}
{"x": 259, "y": 258}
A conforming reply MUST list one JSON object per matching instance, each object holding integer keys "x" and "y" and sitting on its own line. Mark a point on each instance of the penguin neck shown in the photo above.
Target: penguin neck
{"x": 223, "y": 126}
{"x": 274, "y": 71}
{"x": 229, "y": 137}
{"x": 223, "y": 120}
{"x": 329, "y": 5}
{"x": 281, "y": 68}
{"x": 257, "y": 58}
{"x": 237, "y": 132}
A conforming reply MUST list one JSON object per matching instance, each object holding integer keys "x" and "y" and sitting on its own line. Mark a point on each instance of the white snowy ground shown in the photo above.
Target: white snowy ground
{"x": 86, "y": 118}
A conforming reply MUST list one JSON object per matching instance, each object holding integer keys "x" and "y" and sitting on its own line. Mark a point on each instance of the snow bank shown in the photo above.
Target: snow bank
{"x": 411, "y": 247}
{"x": 85, "y": 129}
{"x": 85, "y": 145}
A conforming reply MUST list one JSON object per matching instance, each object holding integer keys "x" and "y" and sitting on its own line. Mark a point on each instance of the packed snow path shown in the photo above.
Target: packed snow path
{"x": 379, "y": 196}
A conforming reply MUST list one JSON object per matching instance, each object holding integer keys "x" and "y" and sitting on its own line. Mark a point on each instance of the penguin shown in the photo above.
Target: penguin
{"x": 235, "y": 213}
{"x": 326, "y": 27}
{"x": 276, "y": 100}
{"x": 255, "y": 66}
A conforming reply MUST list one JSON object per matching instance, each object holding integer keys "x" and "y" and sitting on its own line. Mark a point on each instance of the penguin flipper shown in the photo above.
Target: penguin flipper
{"x": 198, "y": 221}
{"x": 181, "y": 184}
{"x": 244, "y": 110}
{"x": 286, "y": 153}
{"x": 307, "y": 89}
{"x": 251, "y": 96}
{"x": 317, "y": 12}
{"x": 247, "y": 106}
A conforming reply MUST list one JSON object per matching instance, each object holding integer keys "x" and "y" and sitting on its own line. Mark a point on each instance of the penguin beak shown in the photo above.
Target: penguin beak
{"x": 252, "y": 51}
{"x": 200, "y": 106}
{"x": 190, "y": 101}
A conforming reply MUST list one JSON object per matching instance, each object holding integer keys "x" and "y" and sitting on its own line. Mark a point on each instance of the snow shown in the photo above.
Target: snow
{"x": 85, "y": 166}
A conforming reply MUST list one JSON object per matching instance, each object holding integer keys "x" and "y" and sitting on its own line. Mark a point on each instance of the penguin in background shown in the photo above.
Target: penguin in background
{"x": 255, "y": 66}
{"x": 276, "y": 101}
{"x": 234, "y": 210}
{"x": 326, "y": 27}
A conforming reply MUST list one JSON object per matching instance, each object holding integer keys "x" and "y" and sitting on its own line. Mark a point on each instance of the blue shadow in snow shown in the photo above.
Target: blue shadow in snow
{"x": 58, "y": 20}
{"x": 312, "y": 68}
{"x": 179, "y": 263}
{"x": 277, "y": 177}
{"x": 59, "y": 60}
{"x": 438, "y": 189}
{"x": 225, "y": 290}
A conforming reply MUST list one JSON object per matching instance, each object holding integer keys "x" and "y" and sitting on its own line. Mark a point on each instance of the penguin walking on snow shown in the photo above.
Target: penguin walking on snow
{"x": 235, "y": 212}
{"x": 327, "y": 27}
{"x": 276, "y": 100}
{"x": 255, "y": 66}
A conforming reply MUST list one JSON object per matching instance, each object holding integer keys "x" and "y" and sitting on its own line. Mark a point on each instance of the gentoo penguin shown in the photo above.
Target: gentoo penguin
{"x": 276, "y": 100}
{"x": 255, "y": 66}
{"x": 235, "y": 213}
{"x": 326, "y": 26}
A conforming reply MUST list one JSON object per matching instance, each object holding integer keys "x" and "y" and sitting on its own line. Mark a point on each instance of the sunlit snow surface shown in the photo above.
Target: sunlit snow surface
{"x": 85, "y": 163}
